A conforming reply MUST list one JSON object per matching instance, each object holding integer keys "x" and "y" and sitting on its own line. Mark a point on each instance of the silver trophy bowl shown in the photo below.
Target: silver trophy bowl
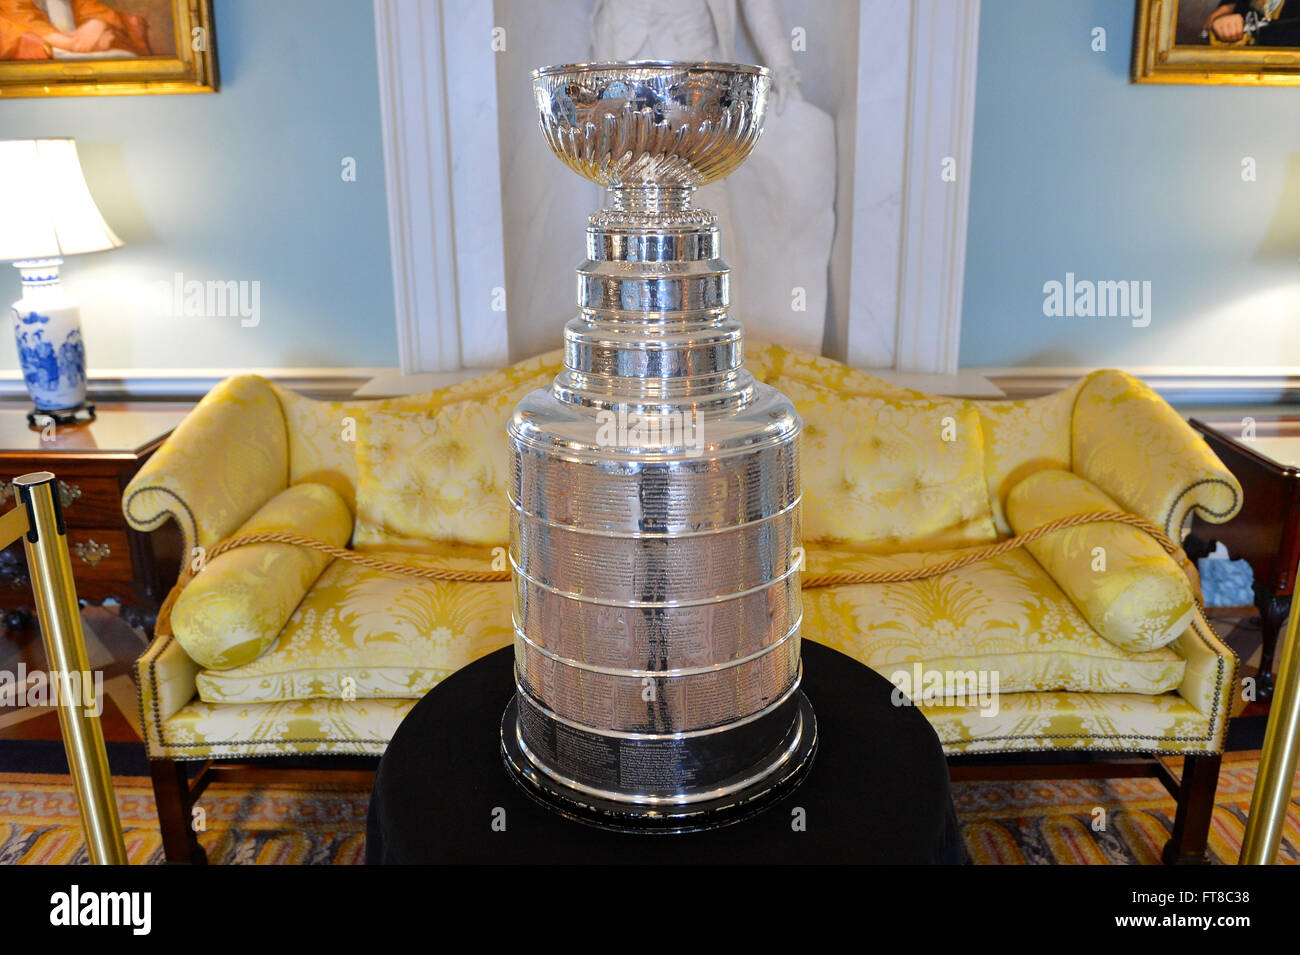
{"x": 652, "y": 123}
{"x": 655, "y": 485}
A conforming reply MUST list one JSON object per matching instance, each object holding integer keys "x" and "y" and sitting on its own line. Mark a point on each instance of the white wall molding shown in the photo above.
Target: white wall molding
{"x": 394, "y": 383}
{"x": 879, "y": 155}
{"x": 944, "y": 43}
{"x": 915, "y": 107}
{"x": 442, "y": 176}
{"x": 1185, "y": 384}
{"x": 164, "y": 384}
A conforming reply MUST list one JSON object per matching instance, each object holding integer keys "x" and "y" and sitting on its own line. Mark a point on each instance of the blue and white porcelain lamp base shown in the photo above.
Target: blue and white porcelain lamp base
{"x": 47, "y": 327}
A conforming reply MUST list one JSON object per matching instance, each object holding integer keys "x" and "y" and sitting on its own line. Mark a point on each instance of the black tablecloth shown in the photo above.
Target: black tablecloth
{"x": 877, "y": 790}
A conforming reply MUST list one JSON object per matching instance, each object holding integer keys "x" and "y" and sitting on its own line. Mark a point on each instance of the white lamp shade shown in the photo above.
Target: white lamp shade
{"x": 46, "y": 210}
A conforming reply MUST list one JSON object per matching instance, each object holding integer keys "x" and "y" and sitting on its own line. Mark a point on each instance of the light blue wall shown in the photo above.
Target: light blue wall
{"x": 242, "y": 185}
{"x": 1077, "y": 170}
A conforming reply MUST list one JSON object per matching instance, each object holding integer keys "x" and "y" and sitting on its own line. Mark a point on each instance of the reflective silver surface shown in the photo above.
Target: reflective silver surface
{"x": 666, "y": 126}
{"x": 655, "y": 485}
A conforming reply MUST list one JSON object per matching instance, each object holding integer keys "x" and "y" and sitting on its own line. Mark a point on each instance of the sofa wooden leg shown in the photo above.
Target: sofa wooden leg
{"x": 1200, "y": 779}
{"x": 171, "y": 793}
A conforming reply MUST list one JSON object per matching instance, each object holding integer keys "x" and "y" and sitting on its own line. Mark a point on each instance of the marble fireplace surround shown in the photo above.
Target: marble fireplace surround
{"x": 903, "y": 100}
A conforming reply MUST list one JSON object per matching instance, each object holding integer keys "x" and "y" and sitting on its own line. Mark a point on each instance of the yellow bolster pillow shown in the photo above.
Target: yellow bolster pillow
{"x": 238, "y": 604}
{"x": 1122, "y": 581}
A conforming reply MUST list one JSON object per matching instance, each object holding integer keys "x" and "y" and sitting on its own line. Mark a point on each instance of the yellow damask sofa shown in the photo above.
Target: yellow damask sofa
{"x": 1095, "y": 634}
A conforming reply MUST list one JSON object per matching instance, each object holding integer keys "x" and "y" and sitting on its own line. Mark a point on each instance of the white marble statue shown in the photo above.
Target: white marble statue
{"x": 776, "y": 211}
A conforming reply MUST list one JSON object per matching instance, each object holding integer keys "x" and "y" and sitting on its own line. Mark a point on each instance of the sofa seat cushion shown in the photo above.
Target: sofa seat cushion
{"x": 890, "y": 474}
{"x": 368, "y": 634}
{"x": 1025, "y": 722}
{"x": 1003, "y": 615}
{"x": 1102, "y": 722}
{"x": 284, "y": 728}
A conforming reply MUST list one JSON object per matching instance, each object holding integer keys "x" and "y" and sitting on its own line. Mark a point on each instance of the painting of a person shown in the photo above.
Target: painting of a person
{"x": 70, "y": 29}
{"x": 1255, "y": 23}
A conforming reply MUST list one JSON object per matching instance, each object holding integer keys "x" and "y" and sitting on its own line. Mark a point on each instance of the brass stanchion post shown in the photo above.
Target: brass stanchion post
{"x": 50, "y": 568}
{"x": 1272, "y": 796}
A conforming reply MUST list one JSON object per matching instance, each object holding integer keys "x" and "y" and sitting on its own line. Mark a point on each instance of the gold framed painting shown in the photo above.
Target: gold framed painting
{"x": 106, "y": 47}
{"x": 1239, "y": 42}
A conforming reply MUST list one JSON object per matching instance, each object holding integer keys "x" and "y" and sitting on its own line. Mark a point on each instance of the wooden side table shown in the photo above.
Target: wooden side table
{"x": 1263, "y": 452}
{"x": 93, "y": 462}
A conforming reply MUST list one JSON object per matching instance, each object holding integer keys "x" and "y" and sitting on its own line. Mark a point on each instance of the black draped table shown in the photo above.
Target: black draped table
{"x": 877, "y": 791}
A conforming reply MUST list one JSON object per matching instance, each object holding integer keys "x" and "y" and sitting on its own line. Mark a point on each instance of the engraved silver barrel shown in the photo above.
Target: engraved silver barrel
{"x": 655, "y": 486}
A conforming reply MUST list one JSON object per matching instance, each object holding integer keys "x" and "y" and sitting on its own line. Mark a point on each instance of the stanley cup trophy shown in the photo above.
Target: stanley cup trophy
{"x": 655, "y": 486}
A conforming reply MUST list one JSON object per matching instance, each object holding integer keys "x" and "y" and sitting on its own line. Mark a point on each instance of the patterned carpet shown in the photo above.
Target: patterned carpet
{"x": 1052, "y": 822}
{"x": 317, "y": 824}
{"x": 322, "y": 823}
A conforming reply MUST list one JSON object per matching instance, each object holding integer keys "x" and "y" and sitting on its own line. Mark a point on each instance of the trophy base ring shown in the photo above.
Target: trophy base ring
{"x": 788, "y": 769}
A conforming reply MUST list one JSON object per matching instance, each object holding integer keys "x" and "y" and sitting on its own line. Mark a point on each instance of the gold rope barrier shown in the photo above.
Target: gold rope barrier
{"x": 839, "y": 578}
{"x": 833, "y": 579}
{"x": 39, "y": 521}
{"x": 817, "y": 580}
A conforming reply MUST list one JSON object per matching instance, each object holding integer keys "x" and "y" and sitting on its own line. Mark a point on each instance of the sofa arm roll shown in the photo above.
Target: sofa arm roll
{"x": 1129, "y": 442}
{"x": 166, "y": 678}
{"x": 225, "y": 460}
{"x": 1122, "y": 581}
{"x": 235, "y": 608}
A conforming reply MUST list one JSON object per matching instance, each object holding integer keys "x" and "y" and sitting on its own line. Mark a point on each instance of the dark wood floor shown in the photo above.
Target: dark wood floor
{"x": 112, "y": 645}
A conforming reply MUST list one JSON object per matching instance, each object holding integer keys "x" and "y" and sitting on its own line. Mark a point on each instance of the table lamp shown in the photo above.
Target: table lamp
{"x": 48, "y": 214}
